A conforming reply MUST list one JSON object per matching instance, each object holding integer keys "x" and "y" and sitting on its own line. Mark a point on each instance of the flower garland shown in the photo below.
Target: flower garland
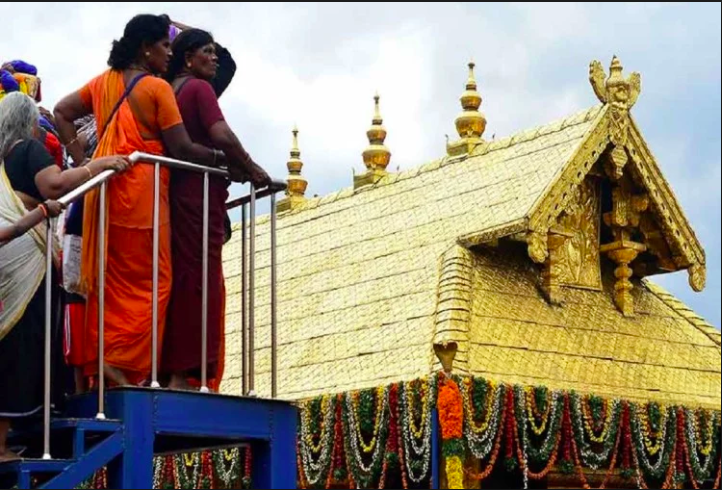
{"x": 361, "y": 472}
{"x": 549, "y": 451}
{"x": 594, "y": 422}
{"x": 417, "y": 450}
{"x": 451, "y": 423}
{"x": 669, "y": 441}
{"x": 227, "y": 474}
{"x": 226, "y": 468}
{"x": 589, "y": 457}
{"x": 99, "y": 481}
{"x": 181, "y": 464}
{"x": 337, "y": 474}
{"x": 653, "y": 430}
{"x": 532, "y": 410}
{"x": 550, "y": 443}
{"x": 382, "y": 437}
{"x": 391, "y": 459}
{"x": 480, "y": 438}
{"x": 700, "y": 469}
{"x": 316, "y": 458}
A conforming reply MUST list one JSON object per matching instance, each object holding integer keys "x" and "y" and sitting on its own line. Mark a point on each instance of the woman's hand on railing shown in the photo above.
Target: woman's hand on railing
{"x": 259, "y": 177}
{"x": 115, "y": 162}
{"x": 54, "y": 208}
{"x": 250, "y": 172}
{"x": 238, "y": 174}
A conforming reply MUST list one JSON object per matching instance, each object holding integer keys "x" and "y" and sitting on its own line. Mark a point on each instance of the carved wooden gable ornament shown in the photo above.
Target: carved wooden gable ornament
{"x": 612, "y": 201}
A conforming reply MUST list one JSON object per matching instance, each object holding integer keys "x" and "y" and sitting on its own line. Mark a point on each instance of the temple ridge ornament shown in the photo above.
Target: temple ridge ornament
{"x": 615, "y": 90}
{"x": 620, "y": 94}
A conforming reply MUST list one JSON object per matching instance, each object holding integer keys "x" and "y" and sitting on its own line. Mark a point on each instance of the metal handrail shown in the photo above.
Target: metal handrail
{"x": 248, "y": 290}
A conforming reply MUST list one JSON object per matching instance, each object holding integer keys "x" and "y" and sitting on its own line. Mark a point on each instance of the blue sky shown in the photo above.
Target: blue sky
{"x": 318, "y": 65}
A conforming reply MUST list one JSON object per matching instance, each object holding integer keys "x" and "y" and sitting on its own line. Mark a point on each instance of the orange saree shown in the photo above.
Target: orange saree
{"x": 129, "y": 226}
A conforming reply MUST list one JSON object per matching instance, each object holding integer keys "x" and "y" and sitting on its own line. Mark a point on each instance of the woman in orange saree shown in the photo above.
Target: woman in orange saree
{"x": 135, "y": 111}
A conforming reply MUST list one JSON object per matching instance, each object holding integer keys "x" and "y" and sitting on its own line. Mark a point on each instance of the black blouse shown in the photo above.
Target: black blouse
{"x": 23, "y": 163}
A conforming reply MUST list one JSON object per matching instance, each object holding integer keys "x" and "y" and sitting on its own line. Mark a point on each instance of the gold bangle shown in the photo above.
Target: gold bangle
{"x": 90, "y": 172}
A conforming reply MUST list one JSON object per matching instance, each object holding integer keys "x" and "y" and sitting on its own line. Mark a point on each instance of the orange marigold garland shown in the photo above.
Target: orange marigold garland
{"x": 451, "y": 422}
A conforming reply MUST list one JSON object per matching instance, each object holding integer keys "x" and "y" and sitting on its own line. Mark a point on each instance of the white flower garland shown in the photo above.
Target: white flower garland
{"x": 228, "y": 475}
{"x": 706, "y": 468}
{"x": 411, "y": 447}
{"x": 643, "y": 459}
{"x": 590, "y": 458}
{"x": 354, "y": 443}
{"x": 521, "y": 407}
{"x": 315, "y": 470}
{"x": 481, "y": 445}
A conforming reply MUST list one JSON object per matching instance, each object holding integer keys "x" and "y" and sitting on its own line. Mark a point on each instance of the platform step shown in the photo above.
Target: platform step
{"x": 63, "y": 424}
{"x": 89, "y": 425}
{"x": 35, "y": 466}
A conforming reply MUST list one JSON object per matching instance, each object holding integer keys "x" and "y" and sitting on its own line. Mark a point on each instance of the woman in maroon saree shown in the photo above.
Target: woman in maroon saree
{"x": 192, "y": 69}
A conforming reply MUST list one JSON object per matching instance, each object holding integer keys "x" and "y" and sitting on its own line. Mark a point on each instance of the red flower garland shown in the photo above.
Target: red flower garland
{"x": 302, "y": 483}
{"x": 510, "y": 423}
{"x": 248, "y": 469}
{"x": 392, "y": 443}
{"x": 329, "y": 477}
{"x": 399, "y": 443}
{"x": 626, "y": 438}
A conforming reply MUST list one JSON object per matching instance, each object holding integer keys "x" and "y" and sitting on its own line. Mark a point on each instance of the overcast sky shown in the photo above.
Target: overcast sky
{"x": 319, "y": 65}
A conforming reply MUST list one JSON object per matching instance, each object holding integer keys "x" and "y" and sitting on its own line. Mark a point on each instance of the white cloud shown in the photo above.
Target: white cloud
{"x": 319, "y": 65}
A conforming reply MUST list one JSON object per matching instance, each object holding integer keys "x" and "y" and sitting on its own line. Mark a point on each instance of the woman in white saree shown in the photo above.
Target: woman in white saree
{"x": 28, "y": 176}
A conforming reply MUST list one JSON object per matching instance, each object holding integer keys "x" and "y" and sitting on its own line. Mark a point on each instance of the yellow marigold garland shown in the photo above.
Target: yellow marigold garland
{"x": 588, "y": 422}
{"x": 454, "y": 473}
{"x": 468, "y": 406}
{"x": 531, "y": 410}
{"x": 418, "y": 432}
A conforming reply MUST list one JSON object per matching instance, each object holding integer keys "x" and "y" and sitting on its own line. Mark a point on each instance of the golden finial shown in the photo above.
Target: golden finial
{"x": 377, "y": 156}
{"x": 471, "y": 123}
{"x": 615, "y": 90}
{"x": 297, "y": 185}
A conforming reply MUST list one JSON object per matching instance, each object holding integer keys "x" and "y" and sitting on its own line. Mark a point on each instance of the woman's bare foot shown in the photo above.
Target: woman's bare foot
{"x": 115, "y": 375}
{"x": 179, "y": 382}
{"x": 8, "y": 456}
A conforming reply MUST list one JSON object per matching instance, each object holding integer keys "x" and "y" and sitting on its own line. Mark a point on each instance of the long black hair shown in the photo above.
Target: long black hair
{"x": 142, "y": 29}
{"x": 186, "y": 42}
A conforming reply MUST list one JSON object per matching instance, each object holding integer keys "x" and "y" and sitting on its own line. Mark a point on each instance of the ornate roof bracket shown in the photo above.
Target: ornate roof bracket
{"x": 550, "y": 278}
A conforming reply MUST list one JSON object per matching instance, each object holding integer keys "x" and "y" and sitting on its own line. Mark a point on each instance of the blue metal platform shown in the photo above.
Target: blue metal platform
{"x": 144, "y": 422}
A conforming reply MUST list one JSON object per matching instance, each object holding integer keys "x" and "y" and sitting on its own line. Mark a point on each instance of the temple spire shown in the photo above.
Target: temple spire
{"x": 471, "y": 123}
{"x": 377, "y": 156}
{"x": 297, "y": 185}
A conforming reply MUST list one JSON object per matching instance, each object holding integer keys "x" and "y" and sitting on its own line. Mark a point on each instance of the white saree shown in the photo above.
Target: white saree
{"x": 22, "y": 261}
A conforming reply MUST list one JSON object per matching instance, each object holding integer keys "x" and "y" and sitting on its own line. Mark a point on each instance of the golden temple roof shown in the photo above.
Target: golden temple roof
{"x": 370, "y": 279}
